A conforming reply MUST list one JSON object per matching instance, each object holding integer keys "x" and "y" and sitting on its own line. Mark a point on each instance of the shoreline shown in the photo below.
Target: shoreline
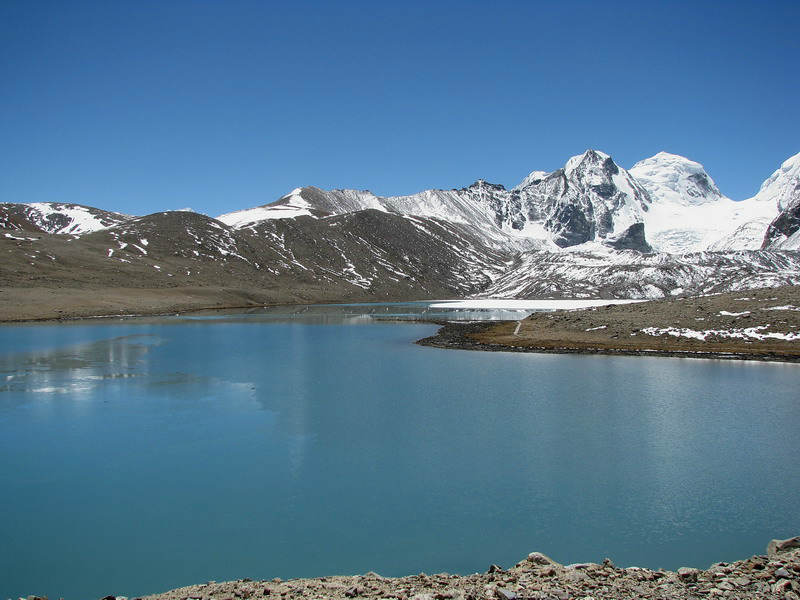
{"x": 764, "y": 325}
{"x": 775, "y": 574}
{"x": 454, "y": 335}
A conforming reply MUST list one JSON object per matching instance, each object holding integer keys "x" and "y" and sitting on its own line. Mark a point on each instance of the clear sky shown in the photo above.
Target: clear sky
{"x": 142, "y": 106}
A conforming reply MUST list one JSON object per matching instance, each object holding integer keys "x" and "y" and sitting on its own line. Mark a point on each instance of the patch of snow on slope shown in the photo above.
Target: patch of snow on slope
{"x": 790, "y": 243}
{"x": 749, "y": 333}
{"x": 79, "y": 218}
{"x": 532, "y": 176}
{"x": 294, "y": 206}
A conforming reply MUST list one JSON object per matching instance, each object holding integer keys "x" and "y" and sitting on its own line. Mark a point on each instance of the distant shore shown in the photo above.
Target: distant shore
{"x": 470, "y": 336}
{"x": 48, "y": 303}
{"x": 537, "y": 577}
{"x": 749, "y": 325}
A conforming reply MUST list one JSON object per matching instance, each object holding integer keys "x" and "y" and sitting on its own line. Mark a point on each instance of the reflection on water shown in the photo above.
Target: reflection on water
{"x": 354, "y": 314}
{"x": 75, "y": 369}
{"x": 265, "y": 444}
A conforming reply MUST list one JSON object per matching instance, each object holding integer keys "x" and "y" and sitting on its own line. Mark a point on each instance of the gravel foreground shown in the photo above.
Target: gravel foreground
{"x": 775, "y": 575}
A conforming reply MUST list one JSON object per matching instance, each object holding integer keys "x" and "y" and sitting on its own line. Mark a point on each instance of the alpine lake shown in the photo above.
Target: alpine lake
{"x": 145, "y": 454}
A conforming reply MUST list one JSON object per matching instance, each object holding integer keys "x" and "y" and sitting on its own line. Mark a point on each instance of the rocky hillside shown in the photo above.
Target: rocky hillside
{"x": 363, "y": 255}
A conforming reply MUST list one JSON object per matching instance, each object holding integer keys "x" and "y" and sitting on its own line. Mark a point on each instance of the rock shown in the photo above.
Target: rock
{"x": 725, "y": 585}
{"x": 581, "y": 566}
{"x": 504, "y": 594}
{"x": 632, "y": 238}
{"x": 688, "y": 573}
{"x": 782, "y": 586}
{"x": 537, "y": 558}
{"x": 776, "y": 546}
{"x": 575, "y": 576}
{"x": 494, "y": 569}
{"x": 782, "y": 572}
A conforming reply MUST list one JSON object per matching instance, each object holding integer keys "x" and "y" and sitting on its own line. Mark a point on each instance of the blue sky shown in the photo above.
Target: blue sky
{"x": 145, "y": 106}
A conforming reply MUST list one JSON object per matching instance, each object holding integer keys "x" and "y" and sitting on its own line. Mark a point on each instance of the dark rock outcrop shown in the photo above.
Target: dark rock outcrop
{"x": 784, "y": 225}
{"x": 633, "y": 238}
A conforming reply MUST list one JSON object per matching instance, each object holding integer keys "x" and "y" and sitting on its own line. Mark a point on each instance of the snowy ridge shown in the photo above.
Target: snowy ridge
{"x": 588, "y": 230}
{"x": 590, "y": 200}
{"x": 533, "y": 177}
{"x": 290, "y": 206}
{"x": 58, "y": 217}
{"x": 782, "y": 186}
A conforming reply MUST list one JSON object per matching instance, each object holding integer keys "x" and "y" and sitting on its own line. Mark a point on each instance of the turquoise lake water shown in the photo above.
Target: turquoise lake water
{"x": 143, "y": 455}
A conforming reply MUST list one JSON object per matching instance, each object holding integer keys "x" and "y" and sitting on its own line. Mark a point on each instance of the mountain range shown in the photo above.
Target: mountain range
{"x": 589, "y": 229}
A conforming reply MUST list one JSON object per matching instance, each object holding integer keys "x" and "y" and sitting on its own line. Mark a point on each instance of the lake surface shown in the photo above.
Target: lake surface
{"x": 142, "y": 455}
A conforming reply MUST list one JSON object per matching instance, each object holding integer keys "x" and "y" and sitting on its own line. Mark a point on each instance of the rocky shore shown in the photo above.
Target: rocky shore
{"x": 772, "y": 576}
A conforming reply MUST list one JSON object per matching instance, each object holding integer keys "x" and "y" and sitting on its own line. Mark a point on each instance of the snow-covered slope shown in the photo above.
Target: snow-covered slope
{"x": 57, "y": 217}
{"x": 673, "y": 179}
{"x": 585, "y": 274}
{"x": 290, "y": 206}
{"x": 783, "y": 185}
{"x": 690, "y": 214}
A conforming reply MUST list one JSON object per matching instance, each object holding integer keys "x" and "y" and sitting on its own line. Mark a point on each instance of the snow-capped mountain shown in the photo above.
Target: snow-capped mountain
{"x": 673, "y": 179}
{"x": 589, "y": 229}
{"x": 690, "y": 214}
{"x": 590, "y": 200}
{"x": 783, "y": 188}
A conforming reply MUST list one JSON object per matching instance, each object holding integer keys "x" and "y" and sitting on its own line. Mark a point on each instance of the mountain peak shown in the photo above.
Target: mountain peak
{"x": 532, "y": 177}
{"x": 675, "y": 179}
{"x": 783, "y": 186}
{"x": 592, "y": 157}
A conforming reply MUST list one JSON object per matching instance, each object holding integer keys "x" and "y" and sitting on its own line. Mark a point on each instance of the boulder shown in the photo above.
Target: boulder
{"x": 688, "y": 573}
{"x": 776, "y": 546}
{"x": 537, "y": 558}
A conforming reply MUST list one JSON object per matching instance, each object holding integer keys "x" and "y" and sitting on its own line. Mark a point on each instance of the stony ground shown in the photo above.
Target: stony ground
{"x": 775, "y": 575}
{"x": 650, "y": 328}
